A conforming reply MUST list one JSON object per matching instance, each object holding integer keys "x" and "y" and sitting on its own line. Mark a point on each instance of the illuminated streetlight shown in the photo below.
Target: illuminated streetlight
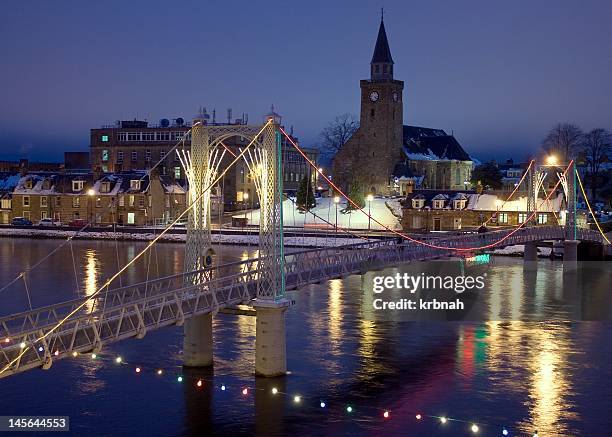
{"x": 551, "y": 160}
{"x": 336, "y": 201}
{"x": 91, "y": 192}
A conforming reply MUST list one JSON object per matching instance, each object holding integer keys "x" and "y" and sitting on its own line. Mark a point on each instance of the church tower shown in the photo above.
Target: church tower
{"x": 372, "y": 152}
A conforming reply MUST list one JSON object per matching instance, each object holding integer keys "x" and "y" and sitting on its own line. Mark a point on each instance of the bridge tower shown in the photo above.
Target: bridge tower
{"x": 198, "y": 339}
{"x": 271, "y": 305}
{"x": 570, "y": 245}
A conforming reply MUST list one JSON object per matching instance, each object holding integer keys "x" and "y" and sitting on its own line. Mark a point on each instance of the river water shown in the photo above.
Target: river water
{"x": 549, "y": 377}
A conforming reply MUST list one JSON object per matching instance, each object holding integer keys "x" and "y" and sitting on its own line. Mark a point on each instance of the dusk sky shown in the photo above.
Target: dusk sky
{"x": 498, "y": 74}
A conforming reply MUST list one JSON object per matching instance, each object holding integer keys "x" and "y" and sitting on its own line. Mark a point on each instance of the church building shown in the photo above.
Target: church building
{"x": 388, "y": 158}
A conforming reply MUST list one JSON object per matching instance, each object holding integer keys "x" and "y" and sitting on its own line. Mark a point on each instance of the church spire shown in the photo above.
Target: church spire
{"x": 382, "y": 62}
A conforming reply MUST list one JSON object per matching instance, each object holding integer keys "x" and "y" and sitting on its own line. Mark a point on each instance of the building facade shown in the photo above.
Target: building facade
{"x": 384, "y": 154}
{"x": 135, "y": 145}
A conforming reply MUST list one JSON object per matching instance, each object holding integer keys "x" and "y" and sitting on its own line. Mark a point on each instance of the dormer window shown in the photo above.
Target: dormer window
{"x": 418, "y": 203}
{"x": 135, "y": 184}
{"x": 459, "y": 204}
{"x": 105, "y": 187}
{"x": 28, "y": 184}
{"x": 77, "y": 185}
{"x": 438, "y": 204}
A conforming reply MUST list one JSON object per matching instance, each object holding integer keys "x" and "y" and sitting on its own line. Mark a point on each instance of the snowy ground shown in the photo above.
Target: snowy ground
{"x": 519, "y": 250}
{"x": 326, "y": 209}
{"x": 322, "y": 241}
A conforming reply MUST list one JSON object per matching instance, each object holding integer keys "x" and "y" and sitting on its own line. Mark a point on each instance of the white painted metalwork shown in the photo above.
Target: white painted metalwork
{"x": 134, "y": 310}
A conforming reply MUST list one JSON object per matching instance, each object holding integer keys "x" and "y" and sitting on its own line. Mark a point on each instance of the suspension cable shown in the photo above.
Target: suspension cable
{"x": 586, "y": 199}
{"x": 513, "y": 191}
{"x": 133, "y": 260}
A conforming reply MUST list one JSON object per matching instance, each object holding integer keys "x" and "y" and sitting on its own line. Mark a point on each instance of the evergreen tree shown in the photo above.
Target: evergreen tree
{"x": 305, "y": 195}
{"x": 356, "y": 194}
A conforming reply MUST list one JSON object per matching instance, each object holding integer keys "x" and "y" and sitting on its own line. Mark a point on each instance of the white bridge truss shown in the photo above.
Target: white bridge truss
{"x": 133, "y": 310}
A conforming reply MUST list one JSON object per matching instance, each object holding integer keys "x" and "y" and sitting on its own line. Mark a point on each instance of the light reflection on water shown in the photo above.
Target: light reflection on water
{"x": 550, "y": 377}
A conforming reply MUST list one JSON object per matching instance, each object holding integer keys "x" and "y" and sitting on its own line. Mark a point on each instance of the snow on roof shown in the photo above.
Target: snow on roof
{"x": 9, "y": 182}
{"x": 38, "y": 185}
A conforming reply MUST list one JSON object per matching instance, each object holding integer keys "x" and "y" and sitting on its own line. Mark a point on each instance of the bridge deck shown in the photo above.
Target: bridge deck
{"x": 87, "y": 324}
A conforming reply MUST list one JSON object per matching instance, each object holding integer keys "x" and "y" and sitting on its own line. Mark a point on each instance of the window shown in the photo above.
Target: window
{"x": 131, "y": 198}
{"x": 141, "y": 201}
{"x": 162, "y": 154}
{"x": 5, "y": 204}
{"x": 105, "y": 155}
{"x": 76, "y": 202}
{"x": 77, "y": 185}
{"x": 542, "y": 219}
{"x": 418, "y": 204}
{"x": 503, "y": 217}
{"x": 43, "y": 215}
{"x": 177, "y": 172}
{"x": 167, "y": 201}
{"x": 134, "y": 155}
{"x": 105, "y": 138}
{"x": 76, "y": 215}
{"x": 121, "y": 136}
{"x": 120, "y": 157}
{"x": 98, "y": 202}
{"x": 105, "y": 187}
{"x": 162, "y": 136}
{"x": 239, "y": 196}
{"x": 148, "y": 136}
{"x": 372, "y": 112}
{"x": 43, "y": 201}
{"x": 131, "y": 218}
{"x": 417, "y": 222}
{"x": 26, "y": 201}
{"x": 148, "y": 155}
{"x": 242, "y": 176}
{"x": 58, "y": 201}
{"x": 28, "y": 184}
{"x": 438, "y": 204}
{"x": 26, "y": 215}
{"x": 135, "y": 184}
{"x": 459, "y": 203}
{"x": 133, "y": 136}
{"x": 121, "y": 201}
{"x": 522, "y": 217}
{"x": 56, "y": 216}
{"x": 457, "y": 176}
{"x": 176, "y": 136}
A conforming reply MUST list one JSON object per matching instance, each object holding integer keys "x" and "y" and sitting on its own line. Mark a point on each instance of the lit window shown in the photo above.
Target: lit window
{"x": 438, "y": 204}
{"x": 418, "y": 204}
{"x": 105, "y": 138}
{"x": 132, "y": 200}
{"x": 503, "y": 217}
{"x": 542, "y": 219}
{"x": 76, "y": 202}
{"x": 135, "y": 184}
{"x": 522, "y": 217}
{"x": 43, "y": 201}
{"x": 177, "y": 172}
{"x": 26, "y": 201}
{"x": 104, "y": 155}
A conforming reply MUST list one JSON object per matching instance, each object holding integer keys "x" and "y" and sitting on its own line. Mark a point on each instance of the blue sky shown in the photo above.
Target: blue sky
{"x": 497, "y": 74}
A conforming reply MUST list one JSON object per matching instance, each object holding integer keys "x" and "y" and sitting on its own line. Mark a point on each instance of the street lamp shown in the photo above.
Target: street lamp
{"x": 551, "y": 160}
{"x": 336, "y": 201}
{"x": 245, "y": 198}
{"x": 370, "y": 197}
{"x": 90, "y": 194}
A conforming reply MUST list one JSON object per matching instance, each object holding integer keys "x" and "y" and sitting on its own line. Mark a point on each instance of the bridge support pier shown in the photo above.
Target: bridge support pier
{"x": 270, "y": 338}
{"x": 198, "y": 341}
{"x": 530, "y": 255}
{"x": 570, "y": 255}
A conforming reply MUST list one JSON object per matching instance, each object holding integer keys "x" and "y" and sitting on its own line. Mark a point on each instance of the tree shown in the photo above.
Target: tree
{"x": 338, "y": 132}
{"x": 356, "y": 194}
{"x": 562, "y": 141}
{"x": 595, "y": 148}
{"x": 488, "y": 175}
{"x": 305, "y": 195}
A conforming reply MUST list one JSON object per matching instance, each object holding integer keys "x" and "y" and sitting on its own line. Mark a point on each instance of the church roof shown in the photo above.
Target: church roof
{"x": 402, "y": 170}
{"x": 422, "y": 143}
{"x": 382, "y": 53}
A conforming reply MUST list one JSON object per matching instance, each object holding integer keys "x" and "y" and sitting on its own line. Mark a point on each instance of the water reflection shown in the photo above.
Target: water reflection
{"x": 91, "y": 277}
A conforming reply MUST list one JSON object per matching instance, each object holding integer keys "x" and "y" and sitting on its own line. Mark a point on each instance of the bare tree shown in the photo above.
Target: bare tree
{"x": 596, "y": 146}
{"x": 563, "y": 140}
{"x": 338, "y": 132}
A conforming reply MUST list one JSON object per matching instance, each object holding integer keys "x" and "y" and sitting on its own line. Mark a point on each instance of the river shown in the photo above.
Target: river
{"x": 553, "y": 377}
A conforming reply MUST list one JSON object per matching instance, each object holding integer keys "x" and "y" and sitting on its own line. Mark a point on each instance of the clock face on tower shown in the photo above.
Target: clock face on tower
{"x": 374, "y": 96}
{"x": 395, "y": 97}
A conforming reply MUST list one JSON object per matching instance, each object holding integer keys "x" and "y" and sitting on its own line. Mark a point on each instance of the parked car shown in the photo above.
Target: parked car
{"x": 77, "y": 223}
{"x": 49, "y": 222}
{"x": 21, "y": 221}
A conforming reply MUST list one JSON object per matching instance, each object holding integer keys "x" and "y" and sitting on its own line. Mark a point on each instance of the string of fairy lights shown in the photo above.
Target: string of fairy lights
{"x": 245, "y": 391}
